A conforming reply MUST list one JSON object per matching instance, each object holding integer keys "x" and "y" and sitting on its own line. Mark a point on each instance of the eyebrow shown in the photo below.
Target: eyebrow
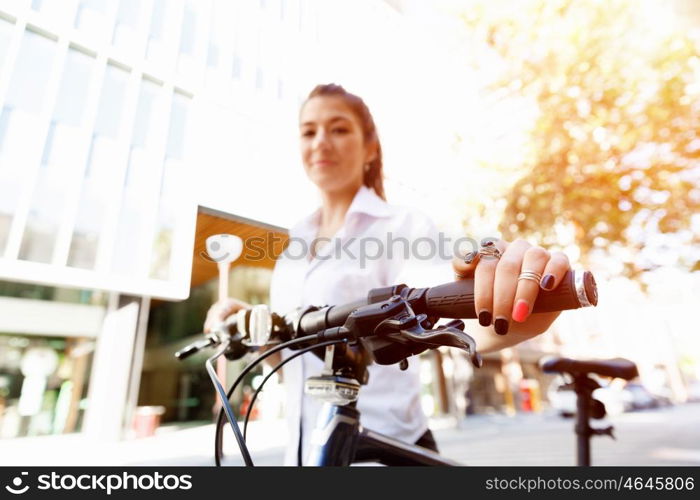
{"x": 333, "y": 119}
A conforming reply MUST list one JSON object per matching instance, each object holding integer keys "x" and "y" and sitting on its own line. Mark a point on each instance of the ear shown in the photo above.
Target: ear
{"x": 371, "y": 152}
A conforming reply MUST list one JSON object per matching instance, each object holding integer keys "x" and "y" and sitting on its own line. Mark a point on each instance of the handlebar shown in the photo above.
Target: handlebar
{"x": 455, "y": 300}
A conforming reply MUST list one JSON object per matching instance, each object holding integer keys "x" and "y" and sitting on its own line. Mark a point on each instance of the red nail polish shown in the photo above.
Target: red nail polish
{"x": 521, "y": 311}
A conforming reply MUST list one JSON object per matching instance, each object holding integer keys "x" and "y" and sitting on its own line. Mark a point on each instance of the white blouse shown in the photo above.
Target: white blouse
{"x": 372, "y": 249}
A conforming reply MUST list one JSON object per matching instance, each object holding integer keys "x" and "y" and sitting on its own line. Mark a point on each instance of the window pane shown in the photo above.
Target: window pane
{"x": 90, "y": 11}
{"x": 126, "y": 24}
{"x": 5, "y": 38}
{"x": 139, "y": 183}
{"x": 144, "y": 110}
{"x": 171, "y": 186}
{"x": 43, "y": 218}
{"x": 4, "y": 124}
{"x": 128, "y": 13}
{"x": 72, "y": 94}
{"x": 60, "y": 149}
{"x": 63, "y": 140}
{"x": 212, "y": 55}
{"x": 100, "y": 171}
{"x": 159, "y": 7}
{"x": 31, "y": 74}
{"x": 259, "y": 78}
{"x": 178, "y": 122}
{"x": 189, "y": 24}
{"x": 19, "y": 122}
{"x": 83, "y": 247}
{"x": 129, "y": 233}
{"x": 111, "y": 102}
{"x": 236, "y": 69}
{"x": 143, "y": 131}
{"x": 157, "y": 47}
{"x": 9, "y": 185}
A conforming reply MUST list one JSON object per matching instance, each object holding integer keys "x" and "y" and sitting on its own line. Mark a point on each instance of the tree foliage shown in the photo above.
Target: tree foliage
{"x": 615, "y": 149}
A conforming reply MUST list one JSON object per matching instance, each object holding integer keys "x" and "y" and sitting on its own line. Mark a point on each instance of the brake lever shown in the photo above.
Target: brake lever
{"x": 410, "y": 329}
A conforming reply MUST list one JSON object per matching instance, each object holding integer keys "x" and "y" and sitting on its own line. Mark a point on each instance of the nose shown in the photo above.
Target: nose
{"x": 320, "y": 140}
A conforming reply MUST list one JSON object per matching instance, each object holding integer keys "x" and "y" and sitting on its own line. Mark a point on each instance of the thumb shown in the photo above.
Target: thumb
{"x": 465, "y": 265}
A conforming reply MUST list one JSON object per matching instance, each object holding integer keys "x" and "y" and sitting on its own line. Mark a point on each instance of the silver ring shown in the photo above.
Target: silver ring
{"x": 489, "y": 250}
{"x": 530, "y": 275}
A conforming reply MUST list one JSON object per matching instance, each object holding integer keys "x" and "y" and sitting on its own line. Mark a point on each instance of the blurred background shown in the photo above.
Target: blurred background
{"x": 132, "y": 130}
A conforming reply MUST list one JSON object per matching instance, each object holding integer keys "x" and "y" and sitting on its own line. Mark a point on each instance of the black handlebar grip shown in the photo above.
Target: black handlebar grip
{"x": 194, "y": 348}
{"x": 327, "y": 317}
{"x": 456, "y": 300}
{"x": 187, "y": 351}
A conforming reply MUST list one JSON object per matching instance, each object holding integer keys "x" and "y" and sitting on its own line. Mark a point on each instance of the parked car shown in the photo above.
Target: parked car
{"x": 640, "y": 398}
{"x": 694, "y": 392}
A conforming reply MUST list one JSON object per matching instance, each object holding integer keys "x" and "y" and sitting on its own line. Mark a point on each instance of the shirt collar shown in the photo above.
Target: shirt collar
{"x": 366, "y": 201}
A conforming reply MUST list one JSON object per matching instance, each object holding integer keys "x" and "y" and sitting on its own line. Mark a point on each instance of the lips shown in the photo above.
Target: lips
{"x": 323, "y": 163}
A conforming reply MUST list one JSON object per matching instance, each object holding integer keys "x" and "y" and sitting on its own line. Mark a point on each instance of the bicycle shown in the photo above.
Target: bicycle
{"x": 388, "y": 326}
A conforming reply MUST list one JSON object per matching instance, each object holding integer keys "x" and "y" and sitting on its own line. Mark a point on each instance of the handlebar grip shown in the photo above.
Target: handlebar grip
{"x": 456, "y": 300}
{"x": 328, "y": 317}
{"x": 193, "y": 348}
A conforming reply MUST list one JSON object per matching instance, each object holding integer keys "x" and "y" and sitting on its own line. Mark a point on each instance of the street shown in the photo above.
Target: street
{"x": 668, "y": 436}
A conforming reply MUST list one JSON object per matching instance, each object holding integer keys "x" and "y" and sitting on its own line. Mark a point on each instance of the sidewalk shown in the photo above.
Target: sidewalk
{"x": 172, "y": 445}
{"x": 667, "y": 436}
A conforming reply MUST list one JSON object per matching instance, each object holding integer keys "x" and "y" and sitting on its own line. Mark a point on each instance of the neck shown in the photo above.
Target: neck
{"x": 334, "y": 206}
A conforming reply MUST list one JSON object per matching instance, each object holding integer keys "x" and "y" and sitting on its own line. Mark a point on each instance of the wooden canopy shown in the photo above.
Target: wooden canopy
{"x": 262, "y": 243}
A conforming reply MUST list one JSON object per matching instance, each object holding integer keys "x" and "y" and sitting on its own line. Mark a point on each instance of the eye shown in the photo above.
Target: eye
{"x": 307, "y": 133}
{"x": 340, "y": 130}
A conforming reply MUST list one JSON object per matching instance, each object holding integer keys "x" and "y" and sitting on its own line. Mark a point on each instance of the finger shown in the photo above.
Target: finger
{"x": 462, "y": 269}
{"x": 505, "y": 284}
{"x": 221, "y": 310}
{"x": 534, "y": 261}
{"x": 555, "y": 270}
{"x": 212, "y": 318}
{"x": 483, "y": 286}
{"x": 465, "y": 263}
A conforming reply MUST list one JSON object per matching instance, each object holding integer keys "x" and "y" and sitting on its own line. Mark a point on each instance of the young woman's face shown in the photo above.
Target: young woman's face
{"x": 332, "y": 145}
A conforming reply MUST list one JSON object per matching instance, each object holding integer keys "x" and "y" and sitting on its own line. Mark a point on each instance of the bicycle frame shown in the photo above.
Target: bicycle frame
{"x": 339, "y": 440}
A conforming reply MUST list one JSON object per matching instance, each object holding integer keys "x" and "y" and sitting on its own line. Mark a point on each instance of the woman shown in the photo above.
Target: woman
{"x": 342, "y": 156}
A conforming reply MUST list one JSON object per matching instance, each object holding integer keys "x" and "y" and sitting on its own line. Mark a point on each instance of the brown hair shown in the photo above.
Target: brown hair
{"x": 374, "y": 177}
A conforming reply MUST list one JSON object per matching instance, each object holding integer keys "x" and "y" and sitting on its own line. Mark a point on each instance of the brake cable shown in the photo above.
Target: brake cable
{"x": 226, "y": 407}
{"x": 274, "y": 370}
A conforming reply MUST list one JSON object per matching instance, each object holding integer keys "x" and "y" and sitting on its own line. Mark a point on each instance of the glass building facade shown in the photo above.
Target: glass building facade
{"x": 97, "y": 104}
{"x": 103, "y": 109}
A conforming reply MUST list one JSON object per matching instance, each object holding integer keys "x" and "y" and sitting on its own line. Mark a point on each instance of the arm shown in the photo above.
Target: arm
{"x": 488, "y": 341}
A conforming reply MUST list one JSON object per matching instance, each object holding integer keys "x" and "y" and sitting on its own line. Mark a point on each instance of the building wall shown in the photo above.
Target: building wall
{"x": 118, "y": 117}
